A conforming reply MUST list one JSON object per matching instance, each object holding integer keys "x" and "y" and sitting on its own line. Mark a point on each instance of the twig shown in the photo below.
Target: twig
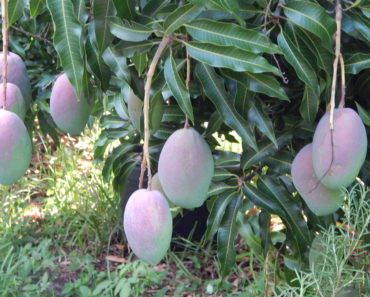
{"x": 343, "y": 83}
{"x": 267, "y": 11}
{"x": 4, "y": 17}
{"x": 187, "y": 84}
{"x": 32, "y": 35}
{"x": 145, "y": 164}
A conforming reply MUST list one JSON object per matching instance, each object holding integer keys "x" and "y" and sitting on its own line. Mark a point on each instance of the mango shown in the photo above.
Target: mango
{"x": 185, "y": 168}
{"x": 15, "y": 148}
{"x": 69, "y": 114}
{"x": 147, "y": 223}
{"x": 320, "y": 200}
{"x": 14, "y": 100}
{"x": 17, "y": 74}
{"x": 338, "y": 156}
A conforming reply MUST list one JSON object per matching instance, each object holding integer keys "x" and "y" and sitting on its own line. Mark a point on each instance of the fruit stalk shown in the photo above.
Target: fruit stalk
{"x": 4, "y": 17}
{"x": 338, "y": 20}
{"x": 187, "y": 84}
{"x": 145, "y": 164}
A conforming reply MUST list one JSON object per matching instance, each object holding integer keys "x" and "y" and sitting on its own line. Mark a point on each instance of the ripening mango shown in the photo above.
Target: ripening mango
{"x": 338, "y": 156}
{"x": 321, "y": 200}
{"x": 147, "y": 223}
{"x": 15, "y": 148}
{"x": 68, "y": 113}
{"x": 185, "y": 168}
{"x": 17, "y": 74}
{"x": 14, "y": 100}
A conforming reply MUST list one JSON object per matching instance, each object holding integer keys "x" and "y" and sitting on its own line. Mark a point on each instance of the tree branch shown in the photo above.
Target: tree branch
{"x": 38, "y": 37}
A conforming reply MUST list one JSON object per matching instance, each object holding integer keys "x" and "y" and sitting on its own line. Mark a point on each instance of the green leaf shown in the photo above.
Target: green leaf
{"x": 355, "y": 62}
{"x": 302, "y": 67}
{"x": 128, "y": 49}
{"x": 67, "y": 41}
{"x": 259, "y": 83}
{"x": 103, "y": 10}
{"x": 156, "y": 111}
{"x": 213, "y": 87}
{"x": 229, "y": 57}
{"x": 80, "y": 11}
{"x": 152, "y": 7}
{"x": 309, "y": 105}
{"x": 313, "y": 18}
{"x": 140, "y": 61}
{"x": 364, "y": 115}
{"x": 125, "y": 8}
{"x": 280, "y": 162}
{"x": 226, "y": 235}
{"x": 264, "y": 219}
{"x": 36, "y": 7}
{"x": 229, "y": 34}
{"x": 218, "y": 188}
{"x": 117, "y": 63}
{"x": 177, "y": 87}
{"x": 129, "y": 31}
{"x": 180, "y": 16}
{"x": 243, "y": 99}
{"x": 15, "y": 10}
{"x": 366, "y": 10}
{"x": 216, "y": 214}
{"x": 257, "y": 115}
{"x": 266, "y": 149}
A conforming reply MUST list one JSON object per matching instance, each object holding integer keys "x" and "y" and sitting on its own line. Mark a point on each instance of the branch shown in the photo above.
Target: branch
{"x": 145, "y": 164}
{"x": 187, "y": 84}
{"x": 38, "y": 37}
{"x": 4, "y": 17}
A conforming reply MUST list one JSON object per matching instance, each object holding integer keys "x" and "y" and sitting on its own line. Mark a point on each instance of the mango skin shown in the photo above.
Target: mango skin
{"x": 69, "y": 115}
{"x": 15, "y": 148}
{"x": 320, "y": 200}
{"x": 14, "y": 100}
{"x": 17, "y": 74}
{"x": 185, "y": 168}
{"x": 147, "y": 223}
{"x": 350, "y": 147}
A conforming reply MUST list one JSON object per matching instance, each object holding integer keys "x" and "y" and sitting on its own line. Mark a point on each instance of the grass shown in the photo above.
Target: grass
{"x": 59, "y": 237}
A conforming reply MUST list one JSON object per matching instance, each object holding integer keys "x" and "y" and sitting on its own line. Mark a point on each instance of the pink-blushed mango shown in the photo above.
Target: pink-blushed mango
{"x": 14, "y": 100}
{"x": 17, "y": 74}
{"x": 15, "y": 148}
{"x": 147, "y": 223}
{"x": 321, "y": 200}
{"x": 338, "y": 165}
{"x": 185, "y": 168}
{"x": 68, "y": 113}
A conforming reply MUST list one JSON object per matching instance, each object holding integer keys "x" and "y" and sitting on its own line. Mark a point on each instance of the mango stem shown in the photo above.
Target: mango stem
{"x": 4, "y": 17}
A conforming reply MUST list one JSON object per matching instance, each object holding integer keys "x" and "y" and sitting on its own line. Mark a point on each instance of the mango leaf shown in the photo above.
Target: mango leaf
{"x": 313, "y": 18}
{"x": 67, "y": 41}
{"x": 80, "y": 11}
{"x": 264, "y": 219}
{"x": 213, "y": 87}
{"x": 15, "y": 10}
{"x": 129, "y": 31}
{"x": 152, "y": 7}
{"x": 125, "y": 8}
{"x": 36, "y": 7}
{"x": 140, "y": 61}
{"x": 177, "y": 87}
{"x": 364, "y": 115}
{"x": 117, "y": 63}
{"x": 214, "y": 123}
{"x": 229, "y": 34}
{"x": 103, "y": 10}
{"x": 216, "y": 214}
{"x": 356, "y": 62}
{"x": 366, "y": 10}
{"x": 120, "y": 106}
{"x": 180, "y": 16}
{"x": 294, "y": 57}
{"x": 266, "y": 149}
{"x": 243, "y": 99}
{"x": 218, "y": 188}
{"x": 259, "y": 83}
{"x": 226, "y": 235}
{"x": 257, "y": 115}
{"x": 128, "y": 49}
{"x": 229, "y": 57}
{"x": 309, "y": 105}
{"x": 280, "y": 162}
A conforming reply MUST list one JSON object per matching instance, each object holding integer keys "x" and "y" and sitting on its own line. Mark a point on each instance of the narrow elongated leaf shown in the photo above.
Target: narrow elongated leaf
{"x": 229, "y": 57}
{"x": 218, "y": 188}
{"x": 309, "y": 105}
{"x": 36, "y": 7}
{"x": 264, "y": 219}
{"x": 217, "y": 213}
{"x": 302, "y": 67}
{"x": 226, "y": 235}
{"x": 364, "y": 115}
{"x": 103, "y": 10}
{"x": 220, "y": 33}
{"x": 366, "y": 10}
{"x": 213, "y": 87}
{"x": 180, "y": 16}
{"x": 177, "y": 87}
{"x": 67, "y": 40}
{"x": 257, "y": 115}
{"x": 259, "y": 83}
{"x": 15, "y": 10}
{"x": 117, "y": 63}
{"x": 243, "y": 99}
{"x": 128, "y": 49}
{"x": 129, "y": 31}
{"x": 280, "y": 162}
{"x": 140, "y": 61}
{"x": 355, "y": 62}
{"x": 152, "y": 7}
{"x": 313, "y": 18}
{"x": 125, "y": 8}
{"x": 80, "y": 11}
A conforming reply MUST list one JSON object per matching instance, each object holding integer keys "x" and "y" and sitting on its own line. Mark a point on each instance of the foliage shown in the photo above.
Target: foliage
{"x": 260, "y": 69}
